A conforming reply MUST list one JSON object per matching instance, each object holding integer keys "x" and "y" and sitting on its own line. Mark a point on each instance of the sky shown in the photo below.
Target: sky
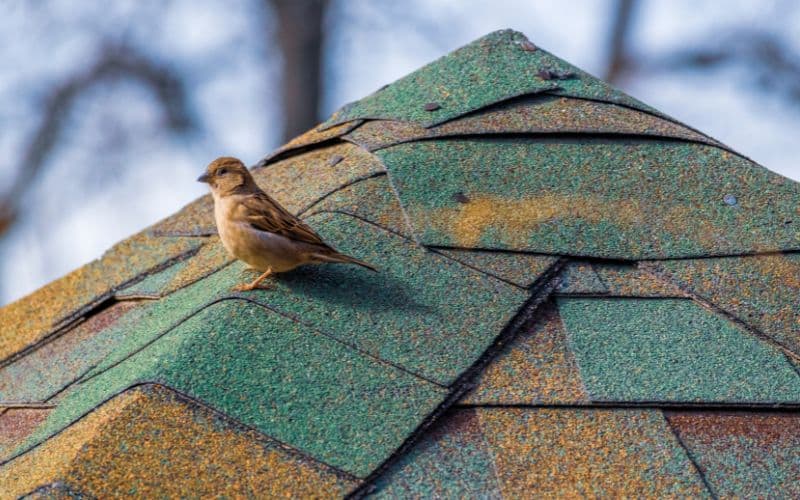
{"x": 116, "y": 169}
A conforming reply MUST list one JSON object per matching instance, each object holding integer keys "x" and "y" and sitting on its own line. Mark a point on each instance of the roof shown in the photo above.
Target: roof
{"x": 577, "y": 295}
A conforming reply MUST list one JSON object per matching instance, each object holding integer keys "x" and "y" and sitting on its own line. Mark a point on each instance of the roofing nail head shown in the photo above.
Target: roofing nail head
{"x": 460, "y": 197}
{"x": 432, "y": 106}
{"x": 335, "y": 160}
{"x": 730, "y": 199}
{"x": 528, "y": 46}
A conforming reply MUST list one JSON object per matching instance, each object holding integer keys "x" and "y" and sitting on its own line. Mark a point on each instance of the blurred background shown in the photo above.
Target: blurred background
{"x": 110, "y": 110}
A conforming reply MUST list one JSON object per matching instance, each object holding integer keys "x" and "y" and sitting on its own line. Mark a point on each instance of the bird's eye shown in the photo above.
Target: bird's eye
{"x": 222, "y": 171}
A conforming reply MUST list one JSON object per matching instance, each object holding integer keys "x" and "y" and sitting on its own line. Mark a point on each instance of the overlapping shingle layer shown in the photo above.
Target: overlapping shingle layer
{"x": 577, "y": 295}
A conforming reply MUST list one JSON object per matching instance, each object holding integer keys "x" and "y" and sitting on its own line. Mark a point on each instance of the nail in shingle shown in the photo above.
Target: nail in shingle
{"x": 461, "y": 197}
{"x": 432, "y": 106}
{"x": 528, "y": 46}
{"x": 545, "y": 74}
{"x": 334, "y": 160}
{"x": 729, "y": 199}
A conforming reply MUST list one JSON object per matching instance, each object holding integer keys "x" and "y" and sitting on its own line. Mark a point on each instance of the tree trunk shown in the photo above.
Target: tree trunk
{"x": 300, "y": 38}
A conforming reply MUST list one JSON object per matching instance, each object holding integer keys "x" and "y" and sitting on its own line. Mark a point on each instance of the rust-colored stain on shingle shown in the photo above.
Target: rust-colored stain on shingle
{"x": 588, "y": 453}
{"x": 742, "y": 454}
{"x": 33, "y": 317}
{"x": 16, "y": 424}
{"x": 536, "y": 368}
{"x": 516, "y": 218}
{"x": 122, "y": 448}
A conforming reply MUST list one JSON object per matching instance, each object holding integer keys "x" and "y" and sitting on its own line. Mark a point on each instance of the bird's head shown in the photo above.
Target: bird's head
{"x": 226, "y": 176}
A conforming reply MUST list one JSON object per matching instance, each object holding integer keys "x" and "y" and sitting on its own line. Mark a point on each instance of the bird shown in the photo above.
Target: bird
{"x": 257, "y": 230}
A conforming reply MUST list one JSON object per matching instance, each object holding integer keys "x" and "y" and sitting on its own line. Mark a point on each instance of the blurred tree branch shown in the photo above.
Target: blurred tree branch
{"x": 619, "y": 58}
{"x": 117, "y": 63}
{"x": 300, "y": 38}
{"x": 768, "y": 60}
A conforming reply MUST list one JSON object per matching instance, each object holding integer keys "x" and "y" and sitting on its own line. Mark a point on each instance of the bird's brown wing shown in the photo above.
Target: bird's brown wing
{"x": 266, "y": 214}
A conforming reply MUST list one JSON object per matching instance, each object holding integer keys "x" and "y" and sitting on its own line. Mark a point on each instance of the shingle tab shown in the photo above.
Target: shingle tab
{"x": 537, "y": 367}
{"x": 300, "y": 181}
{"x": 762, "y": 291}
{"x": 537, "y": 114}
{"x": 588, "y": 453}
{"x": 150, "y": 442}
{"x": 153, "y": 286}
{"x": 672, "y": 350}
{"x": 452, "y": 460}
{"x": 314, "y": 136}
{"x": 284, "y": 379}
{"x": 370, "y": 199}
{"x": 49, "y": 368}
{"x": 421, "y": 311}
{"x": 627, "y": 199}
{"x": 521, "y": 269}
{"x": 16, "y": 424}
{"x": 32, "y": 318}
{"x": 744, "y": 455}
{"x": 489, "y": 70}
{"x": 580, "y": 278}
{"x": 635, "y": 280}
{"x": 547, "y": 453}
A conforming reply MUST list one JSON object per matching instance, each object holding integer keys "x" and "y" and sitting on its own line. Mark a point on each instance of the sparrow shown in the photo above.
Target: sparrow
{"x": 257, "y": 230}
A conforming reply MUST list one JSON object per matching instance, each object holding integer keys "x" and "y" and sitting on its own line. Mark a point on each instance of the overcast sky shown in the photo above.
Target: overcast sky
{"x": 116, "y": 170}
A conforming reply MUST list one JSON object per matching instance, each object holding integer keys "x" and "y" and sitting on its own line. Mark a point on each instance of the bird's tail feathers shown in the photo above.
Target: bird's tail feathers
{"x": 344, "y": 259}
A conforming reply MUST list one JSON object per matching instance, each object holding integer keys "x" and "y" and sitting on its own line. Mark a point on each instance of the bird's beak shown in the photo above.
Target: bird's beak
{"x": 203, "y": 178}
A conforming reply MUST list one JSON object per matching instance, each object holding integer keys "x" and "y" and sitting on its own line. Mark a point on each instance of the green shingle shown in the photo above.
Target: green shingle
{"x": 421, "y": 311}
{"x": 371, "y": 199}
{"x": 152, "y": 286}
{"x": 490, "y": 69}
{"x": 521, "y": 269}
{"x": 536, "y": 114}
{"x": 579, "y": 278}
{"x": 627, "y": 199}
{"x": 762, "y": 291}
{"x": 672, "y": 350}
{"x": 284, "y": 379}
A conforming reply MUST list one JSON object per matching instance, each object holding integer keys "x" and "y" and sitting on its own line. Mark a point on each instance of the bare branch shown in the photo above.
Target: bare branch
{"x": 771, "y": 63}
{"x": 112, "y": 64}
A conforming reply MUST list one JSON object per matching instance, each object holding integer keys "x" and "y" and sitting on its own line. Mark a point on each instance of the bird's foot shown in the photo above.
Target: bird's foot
{"x": 247, "y": 287}
{"x": 255, "y": 284}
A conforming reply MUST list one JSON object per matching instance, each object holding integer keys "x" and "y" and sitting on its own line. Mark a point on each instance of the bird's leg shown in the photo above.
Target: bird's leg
{"x": 256, "y": 283}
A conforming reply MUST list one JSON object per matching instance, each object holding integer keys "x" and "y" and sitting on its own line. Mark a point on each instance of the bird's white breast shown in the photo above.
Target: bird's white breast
{"x": 260, "y": 249}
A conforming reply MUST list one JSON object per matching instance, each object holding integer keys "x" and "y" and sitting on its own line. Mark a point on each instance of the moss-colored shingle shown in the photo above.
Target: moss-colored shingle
{"x": 762, "y": 291}
{"x": 672, "y": 350}
{"x": 626, "y": 199}
{"x": 150, "y": 442}
{"x": 284, "y": 379}
{"x": 499, "y": 66}
{"x": 538, "y": 114}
